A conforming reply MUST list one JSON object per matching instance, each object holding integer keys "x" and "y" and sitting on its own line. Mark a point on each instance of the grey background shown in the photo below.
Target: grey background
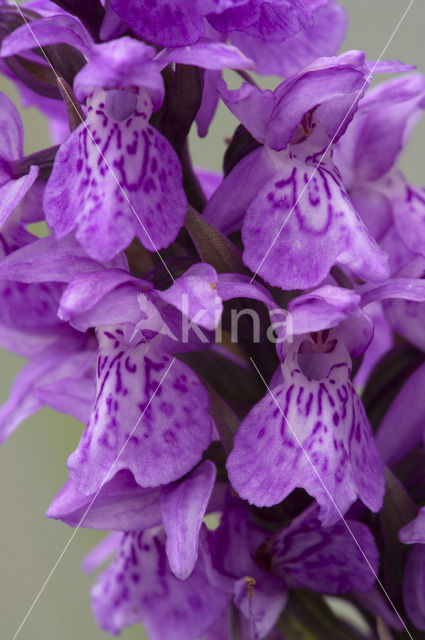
{"x": 33, "y": 460}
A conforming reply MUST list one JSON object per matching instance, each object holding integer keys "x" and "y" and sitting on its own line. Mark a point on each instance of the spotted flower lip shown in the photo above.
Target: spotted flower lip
{"x": 165, "y": 433}
{"x": 316, "y": 433}
{"x": 166, "y": 408}
{"x": 139, "y": 587}
{"x": 118, "y": 169}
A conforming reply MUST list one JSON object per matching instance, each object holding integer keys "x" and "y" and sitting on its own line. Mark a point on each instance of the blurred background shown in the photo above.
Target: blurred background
{"x": 33, "y": 460}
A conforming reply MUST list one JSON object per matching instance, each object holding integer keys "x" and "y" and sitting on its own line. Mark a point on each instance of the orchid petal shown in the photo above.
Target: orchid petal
{"x": 207, "y": 54}
{"x": 47, "y": 260}
{"x": 101, "y": 553}
{"x": 228, "y": 204}
{"x": 120, "y": 505}
{"x": 409, "y": 218}
{"x": 382, "y": 125}
{"x": 195, "y": 295}
{"x": 261, "y": 607}
{"x": 272, "y": 20}
{"x": 166, "y": 23}
{"x": 285, "y": 58}
{"x": 183, "y": 506}
{"x": 13, "y": 191}
{"x": 120, "y": 64}
{"x": 323, "y": 308}
{"x": 407, "y": 410}
{"x": 50, "y": 30}
{"x": 381, "y": 343}
{"x": 414, "y": 532}
{"x": 61, "y": 361}
{"x": 330, "y": 86}
{"x": 414, "y": 586}
{"x": 331, "y": 560}
{"x": 11, "y": 130}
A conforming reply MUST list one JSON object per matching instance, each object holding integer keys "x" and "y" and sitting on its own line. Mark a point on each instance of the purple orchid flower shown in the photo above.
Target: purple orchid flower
{"x": 148, "y": 402}
{"x": 312, "y": 423}
{"x": 257, "y": 568}
{"x": 103, "y": 153}
{"x": 311, "y": 427}
{"x": 116, "y": 200}
{"x": 293, "y": 208}
{"x": 139, "y": 384}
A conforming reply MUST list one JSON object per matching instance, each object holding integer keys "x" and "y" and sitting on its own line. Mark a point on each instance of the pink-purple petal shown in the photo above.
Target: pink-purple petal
{"x": 114, "y": 180}
{"x": 183, "y": 506}
{"x": 323, "y": 38}
{"x": 13, "y": 191}
{"x": 11, "y": 131}
{"x": 406, "y": 410}
{"x": 49, "y": 30}
{"x": 139, "y": 587}
{"x": 414, "y": 531}
{"x": 414, "y": 586}
{"x": 169, "y": 23}
{"x": 120, "y": 64}
{"x": 333, "y": 560}
{"x": 120, "y": 505}
{"x": 208, "y": 54}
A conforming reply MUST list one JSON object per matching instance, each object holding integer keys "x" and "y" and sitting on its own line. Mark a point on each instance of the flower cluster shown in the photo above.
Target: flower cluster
{"x": 242, "y": 479}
